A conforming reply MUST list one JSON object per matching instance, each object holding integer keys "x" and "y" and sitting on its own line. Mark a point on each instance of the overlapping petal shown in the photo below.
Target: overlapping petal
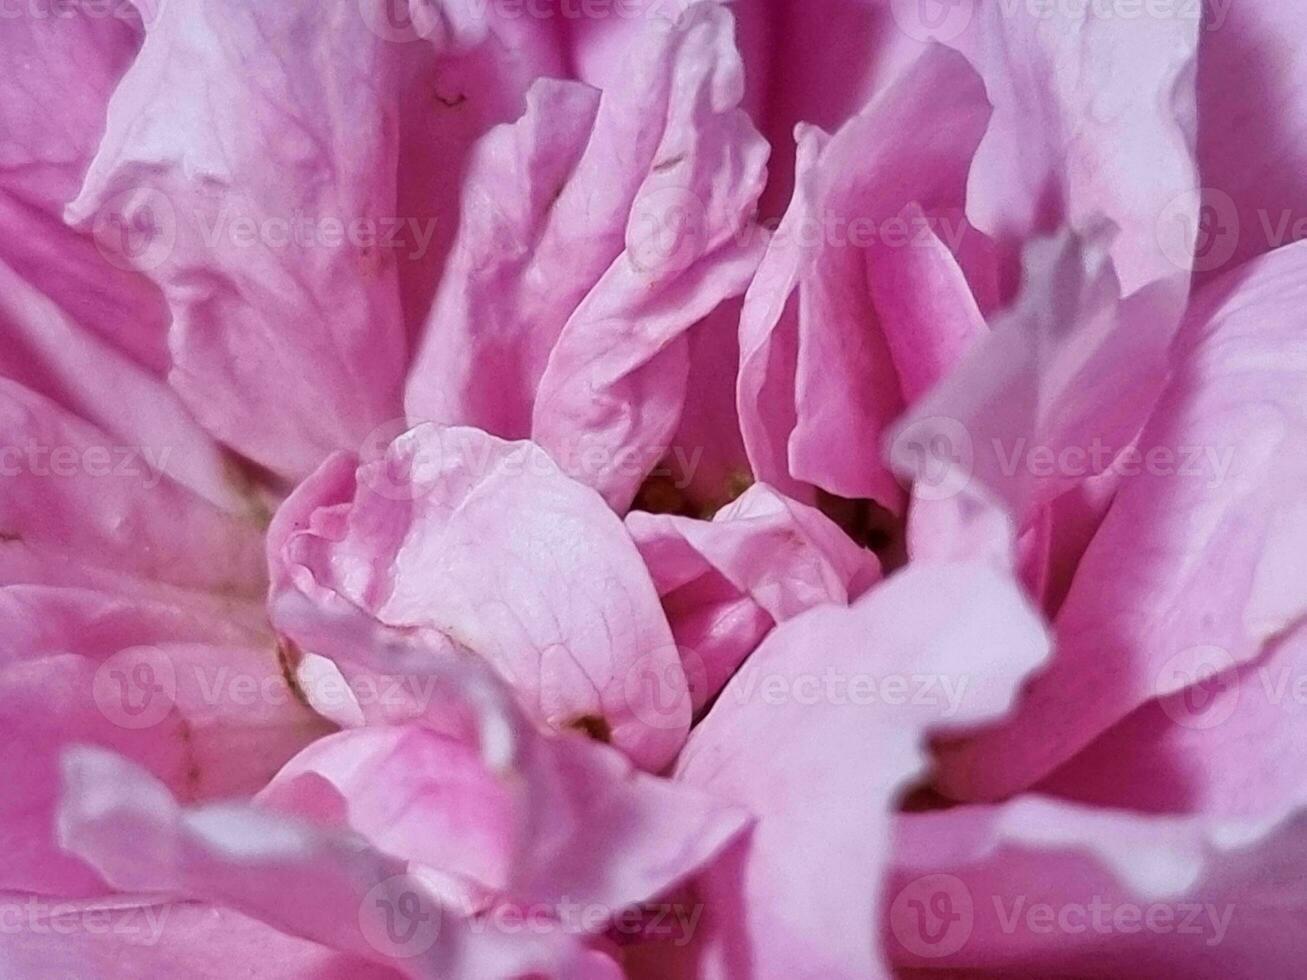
{"x": 629, "y": 223}
{"x": 724, "y": 583}
{"x": 1190, "y": 569}
{"x": 485, "y": 547}
{"x": 820, "y": 363}
{"x": 817, "y": 735}
{"x": 267, "y": 218}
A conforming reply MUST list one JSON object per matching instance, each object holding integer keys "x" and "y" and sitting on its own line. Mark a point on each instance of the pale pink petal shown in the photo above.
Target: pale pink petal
{"x": 75, "y": 490}
{"x": 46, "y": 351}
{"x": 470, "y": 543}
{"x": 466, "y": 67}
{"x": 44, "y": 153}
{"x": 817, "y": 62}
{"x": 1036, "y": 889}
{"x": 816, "y": 330}
{"x": 139, "y": 939}
{"x": 1046, "y": 401}
{"x": 706, "y": 465}
{"x": 1094, "y": 119}
{"x": 328, "y": 887}
{"x": 1227, "y": 744}
{"x": 87, "y": 281}
{"x": 48, "y": 142}
{"x": 630, "y": 225}
{"x": 819, "y": 763}
{"x": 761, "y": 560}
{"x": 1193, "y": 563}
{"x": 170, "y": 685}
{"x": 249, "y": 167}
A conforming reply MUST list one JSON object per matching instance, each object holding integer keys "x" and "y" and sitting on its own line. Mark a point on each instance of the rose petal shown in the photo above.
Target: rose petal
{"x": 263, "y": 219}
{"x": 473, "y": 543}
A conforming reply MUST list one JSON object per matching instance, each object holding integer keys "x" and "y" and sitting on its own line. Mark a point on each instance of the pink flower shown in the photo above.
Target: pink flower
{"x": 652, "y": 489}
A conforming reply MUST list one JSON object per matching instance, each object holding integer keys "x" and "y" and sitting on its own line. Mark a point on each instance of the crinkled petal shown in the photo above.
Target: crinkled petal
{"x": 761, "y": 560}
{"x": 1036, "y": 888}
{"x": 328, "y": 887}
{"x": 816, "y": 329}
{"x": 1094, "y": 119}
{"x": 476, "y": 544}
{"x": 811, "y": 737}
{"x": 1192, "y": 568}
{"x": 629, "y": 227}
{"x": 265, "y": 216}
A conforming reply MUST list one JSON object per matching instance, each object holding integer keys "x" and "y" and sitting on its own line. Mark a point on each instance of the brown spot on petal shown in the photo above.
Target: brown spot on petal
{"x": 668, "y": 164}
{"x": 288, "y": 656}
{"x": 451, "y": 102}
{"x": 594, "y": 726}
{"x": 192, "y": 777}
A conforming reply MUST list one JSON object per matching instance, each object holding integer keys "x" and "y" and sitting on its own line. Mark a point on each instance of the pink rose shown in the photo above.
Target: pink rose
{"x": 652, "y": 489}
